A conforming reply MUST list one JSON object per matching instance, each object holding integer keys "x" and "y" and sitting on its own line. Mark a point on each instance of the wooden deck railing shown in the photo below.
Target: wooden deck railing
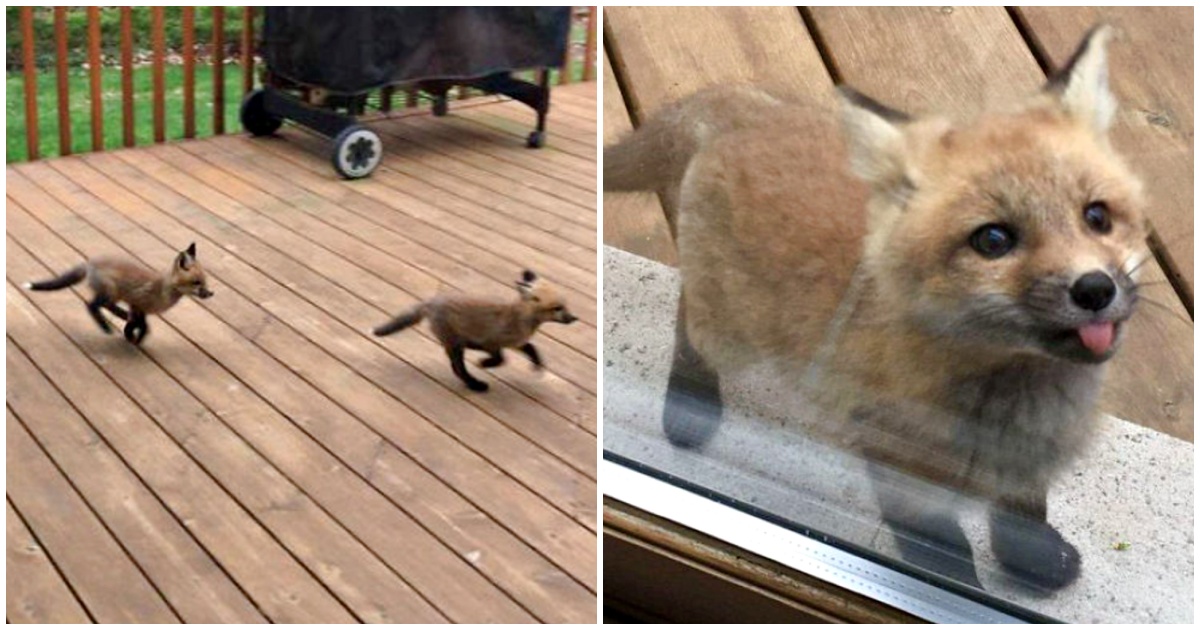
{"x": 584, "y": 17}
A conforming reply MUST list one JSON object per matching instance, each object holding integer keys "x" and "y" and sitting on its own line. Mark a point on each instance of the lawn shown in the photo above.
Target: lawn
{"x": 81, "y": 109}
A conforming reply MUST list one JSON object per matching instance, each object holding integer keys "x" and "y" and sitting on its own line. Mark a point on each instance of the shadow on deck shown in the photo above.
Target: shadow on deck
{"x": 262, "y": 457}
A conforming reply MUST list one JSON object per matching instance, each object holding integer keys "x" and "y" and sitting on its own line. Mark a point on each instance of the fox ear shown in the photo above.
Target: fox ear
{"x": 186, "y": 257}
{"x": 1081, "y": 85}
{"x": 875, "y": 139}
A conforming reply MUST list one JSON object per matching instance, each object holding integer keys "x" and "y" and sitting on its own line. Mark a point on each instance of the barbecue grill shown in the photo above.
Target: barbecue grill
{"x": 322, "y": 62}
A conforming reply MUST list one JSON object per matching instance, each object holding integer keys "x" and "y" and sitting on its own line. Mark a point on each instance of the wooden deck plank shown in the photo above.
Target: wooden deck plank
{"x": 35, "y": 591}
{"x": 411, "y": 490}
{"x": 633, "y": 222}
{"x": 381, "y": 369}
{"x": 724, "y": 44}
{"x": 1152, "y": 65}
{"x": 570, "y": 401}
{"x": 569, "y": 139}
{"x": 197, "y": 588}
{"x": 437, "y": 253}
{"x": 945, "y": 69}
{"x": 542, "y": 426}
{"x": 311, "y": 411}
{"x": 396, "y": 494}
{"x": 379, "y": 204}
{"x": 282, "y": 588}
{"x": 346, "y": 567}
{"x": 417, "y": 132}
{"x": 450, "y": 413}
{"x": 561, "y": 439}
{"x": 567, "y": 169}
{"x": 398, "y": 576}
{"x": 107, "y": 581}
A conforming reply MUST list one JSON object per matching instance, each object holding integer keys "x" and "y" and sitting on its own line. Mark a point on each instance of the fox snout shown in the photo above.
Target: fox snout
{"x": 204, "y": 293}
{"x": 567, "y": 318}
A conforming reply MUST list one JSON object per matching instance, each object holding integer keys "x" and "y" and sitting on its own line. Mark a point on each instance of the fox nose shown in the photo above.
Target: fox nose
{"x": 1093, "y": 291}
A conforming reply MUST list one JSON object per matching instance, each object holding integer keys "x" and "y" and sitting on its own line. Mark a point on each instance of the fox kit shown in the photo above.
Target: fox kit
{"x": 951, "y": 318}
{"x": 115, "y": 280}
{"x": 464, "y": 323}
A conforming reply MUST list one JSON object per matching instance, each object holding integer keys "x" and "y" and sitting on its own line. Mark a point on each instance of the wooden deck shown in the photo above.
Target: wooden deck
{"x": 262, "y": 457}
{"x": 942, "y": 58}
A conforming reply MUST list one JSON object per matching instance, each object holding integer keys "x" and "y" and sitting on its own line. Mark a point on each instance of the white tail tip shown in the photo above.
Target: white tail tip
{"x": 27, "y": 285}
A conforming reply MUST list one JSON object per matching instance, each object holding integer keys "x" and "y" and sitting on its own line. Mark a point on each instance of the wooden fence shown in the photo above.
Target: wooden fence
{"x": 585, "y": 16}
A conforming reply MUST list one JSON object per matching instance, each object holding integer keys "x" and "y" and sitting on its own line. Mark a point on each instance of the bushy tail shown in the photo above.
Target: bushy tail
{"x": 74, "y": 276}
{"x": 402, "y": 321}
{"x": 655, "y": 155}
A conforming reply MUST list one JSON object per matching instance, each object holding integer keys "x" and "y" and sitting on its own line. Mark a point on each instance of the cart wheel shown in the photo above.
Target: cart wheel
{"x": 441, "y": 105}
{"x": 356, "y": 152}
{"x": 536, "y": 140}
{"x": 255, "y": 117}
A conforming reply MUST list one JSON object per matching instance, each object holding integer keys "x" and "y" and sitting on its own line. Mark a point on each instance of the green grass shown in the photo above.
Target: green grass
{"x": 143, "y": 108}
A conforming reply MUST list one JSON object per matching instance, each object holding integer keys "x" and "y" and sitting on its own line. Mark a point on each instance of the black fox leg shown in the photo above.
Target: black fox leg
{"x": 460, "y": 370}
{"x": 94, "y": 307}
{"x": 117, "y": 310}
{"x": 924, "y": 525}
{"x": 495, "y": 359}
{"x": 692, "y": 411}
{"x": 532, "y": 353}
{"x": 1027, "y": 545}
{"x": 136, "y": 328}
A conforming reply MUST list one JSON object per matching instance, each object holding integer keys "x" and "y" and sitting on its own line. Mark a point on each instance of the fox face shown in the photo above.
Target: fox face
{"x": 545, "y": 302}
{"x": 187, "y": 275}
{"x": 1021, "y": 229}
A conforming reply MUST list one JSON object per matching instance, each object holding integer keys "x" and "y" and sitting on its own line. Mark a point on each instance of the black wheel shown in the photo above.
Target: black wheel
{"x": 356, "y": 152}
{"x": 536, "y": 140}
{"x": 441, "y": 105}
{"x": 255, "y": 117}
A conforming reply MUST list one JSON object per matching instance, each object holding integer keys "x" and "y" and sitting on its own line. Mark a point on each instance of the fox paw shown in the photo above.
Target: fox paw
{"x": 1034, "y": 551}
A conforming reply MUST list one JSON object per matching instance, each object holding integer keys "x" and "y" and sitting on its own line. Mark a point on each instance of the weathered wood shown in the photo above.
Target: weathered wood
{"x": 35, "y": 591}
{"x": 725, "y": 45}
{"x": 95, "y": 67}
{"x": 194, "y": 585}
{"x": 632, "y": 222}
{"x": 29, "y": 72}
{"x": 158, "y": 96}
{"x": 364, "y": 459}
{"x": 127, "y": 137}
{"x": 189, "y": 72}
{"x": 218, "y": 69}
{"x": 60, "y": 74}
{"x": 1152, "y": 69}
{"x": 944, "y": 69}
{"x": 247, "y": 50}
{"x": 110, "y": 585}
{"x": 589, "y": 47}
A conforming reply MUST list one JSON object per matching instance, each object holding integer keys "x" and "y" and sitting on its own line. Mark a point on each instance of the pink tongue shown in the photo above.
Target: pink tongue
{"x": 1097, "y": 337}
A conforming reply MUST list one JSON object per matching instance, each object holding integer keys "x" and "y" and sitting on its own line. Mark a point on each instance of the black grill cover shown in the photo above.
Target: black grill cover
{"x": 358, "y": 49}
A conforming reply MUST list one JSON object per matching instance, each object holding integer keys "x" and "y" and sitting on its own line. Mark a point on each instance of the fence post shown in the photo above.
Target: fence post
{"x": 247, "y": 51}
{"x": 93, "y": 15}
{"x": 64, "y": 89}
{"x": 30, "y": 71}
{"x": 127, "y": 76}
{"x": 589, "y": 51}
{"x": 189, "y": 72}
{"x": 160, "y": 134}
{"x": 218, "y": 70}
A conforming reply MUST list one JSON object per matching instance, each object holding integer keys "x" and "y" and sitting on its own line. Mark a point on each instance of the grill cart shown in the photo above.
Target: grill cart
{"x": 321, "y": 63}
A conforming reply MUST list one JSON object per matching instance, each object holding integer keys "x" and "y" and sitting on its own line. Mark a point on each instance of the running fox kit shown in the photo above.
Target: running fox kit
{"x": 465, "y": 323}
{"x": 953, "y": 321}
{"x": 115, "y": 280}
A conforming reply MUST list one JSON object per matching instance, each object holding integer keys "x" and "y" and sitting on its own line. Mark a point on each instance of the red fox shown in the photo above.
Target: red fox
{"x": 951, "y": 319}
{"x": 465, "y": 323}
{"x": 115, "y": 280}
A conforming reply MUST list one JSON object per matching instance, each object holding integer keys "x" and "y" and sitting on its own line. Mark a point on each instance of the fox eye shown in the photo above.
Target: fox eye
{"x": 1096, "y": 215}
{"x": 993, "y": 240}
